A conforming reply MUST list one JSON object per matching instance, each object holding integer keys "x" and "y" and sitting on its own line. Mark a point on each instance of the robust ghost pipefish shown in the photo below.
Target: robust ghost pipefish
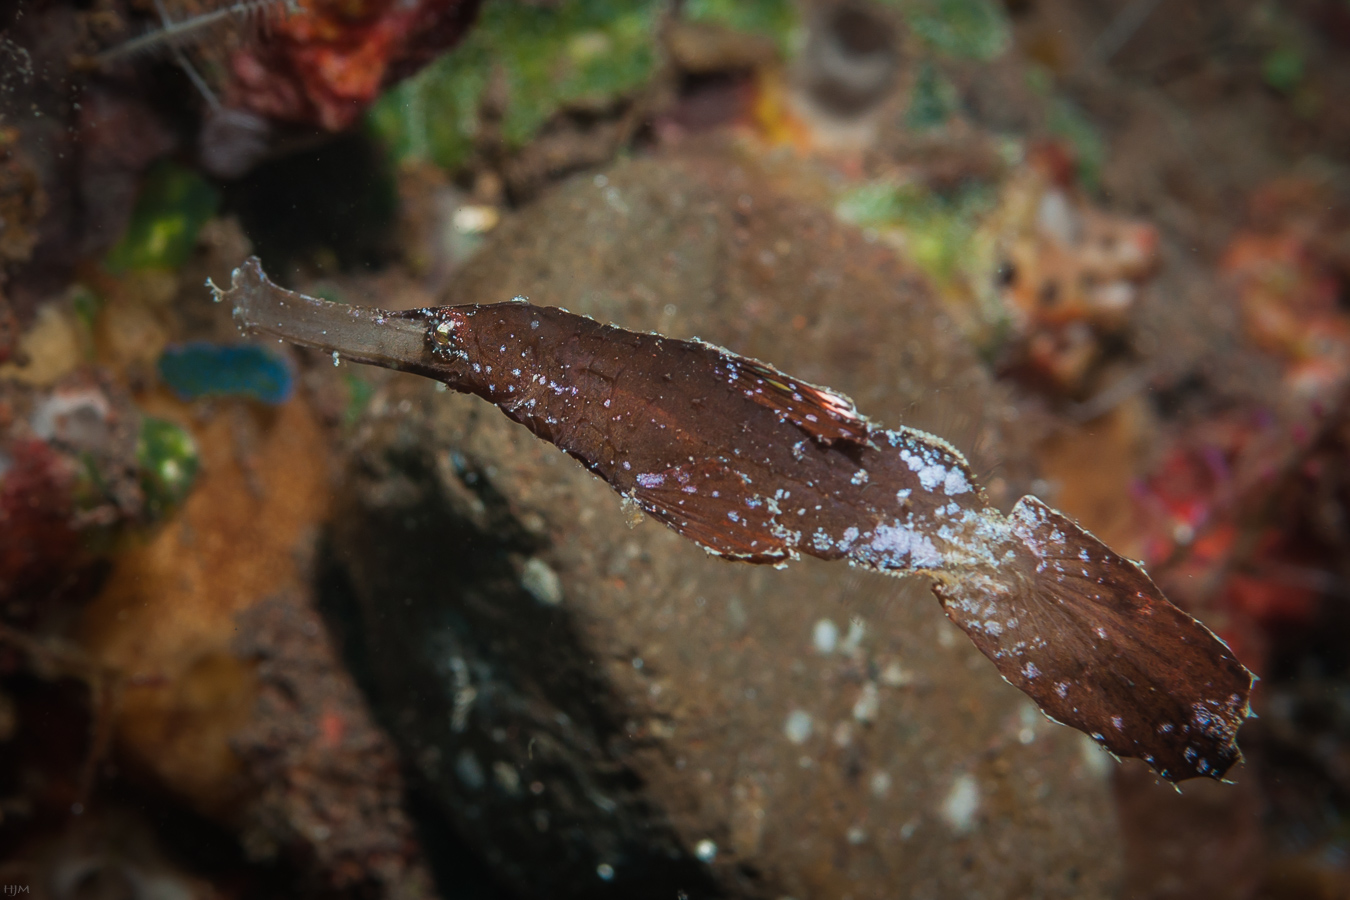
{"x": 755, "y": 465}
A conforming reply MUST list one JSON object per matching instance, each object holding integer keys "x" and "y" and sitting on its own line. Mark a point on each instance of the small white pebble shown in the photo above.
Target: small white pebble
{"x": 506, "y": 776}
{"x": 894, "y": 676}
{"x": 1031, "y": 718}
{"x": 857, "y": 629}
{"x": 798, "y": 726}
{"x": 541, "y": 582}
{"x": 868, "y": 704}
{"x": 961, "y": 803}
{"x": 469, "y": 770}
{"x": 825, "y": 636}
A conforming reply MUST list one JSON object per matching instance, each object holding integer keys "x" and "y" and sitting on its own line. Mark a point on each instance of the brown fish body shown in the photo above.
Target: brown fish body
{"x": 755, "y": 465}
{"x": 719, "y": 447}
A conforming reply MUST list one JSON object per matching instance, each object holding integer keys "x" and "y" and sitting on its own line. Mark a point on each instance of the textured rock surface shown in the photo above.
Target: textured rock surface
{"x": 606, "y": 708}
{"x": 230, "y": 693}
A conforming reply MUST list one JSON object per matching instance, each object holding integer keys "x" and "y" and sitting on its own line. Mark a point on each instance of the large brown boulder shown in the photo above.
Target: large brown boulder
{"x": 603, "y": 708}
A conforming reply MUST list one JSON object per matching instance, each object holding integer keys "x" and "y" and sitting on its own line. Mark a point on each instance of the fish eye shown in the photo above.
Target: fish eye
{"x": 443, "y": 334}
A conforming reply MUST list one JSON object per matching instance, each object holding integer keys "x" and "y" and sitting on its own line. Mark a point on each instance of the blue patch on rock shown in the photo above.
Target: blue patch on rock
{"x": 201, "y": 369}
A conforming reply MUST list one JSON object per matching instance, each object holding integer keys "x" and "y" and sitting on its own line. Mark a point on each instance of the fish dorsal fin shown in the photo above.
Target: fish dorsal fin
{"x": 823, "y": 414}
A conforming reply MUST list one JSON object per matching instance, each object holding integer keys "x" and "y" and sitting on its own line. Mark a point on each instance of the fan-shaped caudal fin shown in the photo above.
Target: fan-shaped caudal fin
{"x": 1088, "y": 636}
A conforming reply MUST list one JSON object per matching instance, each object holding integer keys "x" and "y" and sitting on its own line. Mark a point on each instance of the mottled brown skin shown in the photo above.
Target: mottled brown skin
{"x": 1104, "y": 650}
{"x": 757, "y": 466}
{"x": 712, "y": 444}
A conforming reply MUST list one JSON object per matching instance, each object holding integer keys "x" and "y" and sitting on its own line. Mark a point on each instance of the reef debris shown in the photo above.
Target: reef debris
{"x": 70, "y": 478}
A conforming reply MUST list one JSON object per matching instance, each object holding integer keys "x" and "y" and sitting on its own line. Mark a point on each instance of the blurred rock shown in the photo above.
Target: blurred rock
{"x": 112, "y": 855}
{"x": 232, "y": 695}
{"x": 69, "y": 475}
{"x": 165, "y": 619}
{"x": 850, "y": 59}
{"x": 22, "y": 201}
{"x": 9, "y": 330}
{"x": 120, "y": 135}
{"x": 608, "y": 711}
{"x": 1201, "y": 841}
{"x": 702, "y": 48}
{"x": 53, "y": 709}
{"x": 70, "y": 153}
{"x": 331, "y": 790}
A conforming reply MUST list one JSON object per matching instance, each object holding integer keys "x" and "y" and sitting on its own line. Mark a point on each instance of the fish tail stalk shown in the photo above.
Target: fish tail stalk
{"x": 1088, "y": 636}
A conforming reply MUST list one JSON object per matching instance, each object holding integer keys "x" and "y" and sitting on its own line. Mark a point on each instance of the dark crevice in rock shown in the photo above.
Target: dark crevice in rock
{"x": 438, "y": 611}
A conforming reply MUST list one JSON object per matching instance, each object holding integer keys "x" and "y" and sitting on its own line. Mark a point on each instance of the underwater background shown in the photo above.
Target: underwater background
{"x": 277, "y": 624}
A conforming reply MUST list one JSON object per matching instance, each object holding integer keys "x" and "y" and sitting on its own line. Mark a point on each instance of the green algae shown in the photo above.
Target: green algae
{"x": 86, "y": 305}
{"x": 1282, "y": 69}
{"x": 359, "y": 392}
{"x": 779, "y": 20}
{"x": 932, "y": 101}
{"x": 167, "y": 456}
{"x": 935, "y": 229}
{"x": 575, "y": 54}
{"x": 946, "y": 236}
{"x": 173, "y": 205}
{"x": 965, "y": 29}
